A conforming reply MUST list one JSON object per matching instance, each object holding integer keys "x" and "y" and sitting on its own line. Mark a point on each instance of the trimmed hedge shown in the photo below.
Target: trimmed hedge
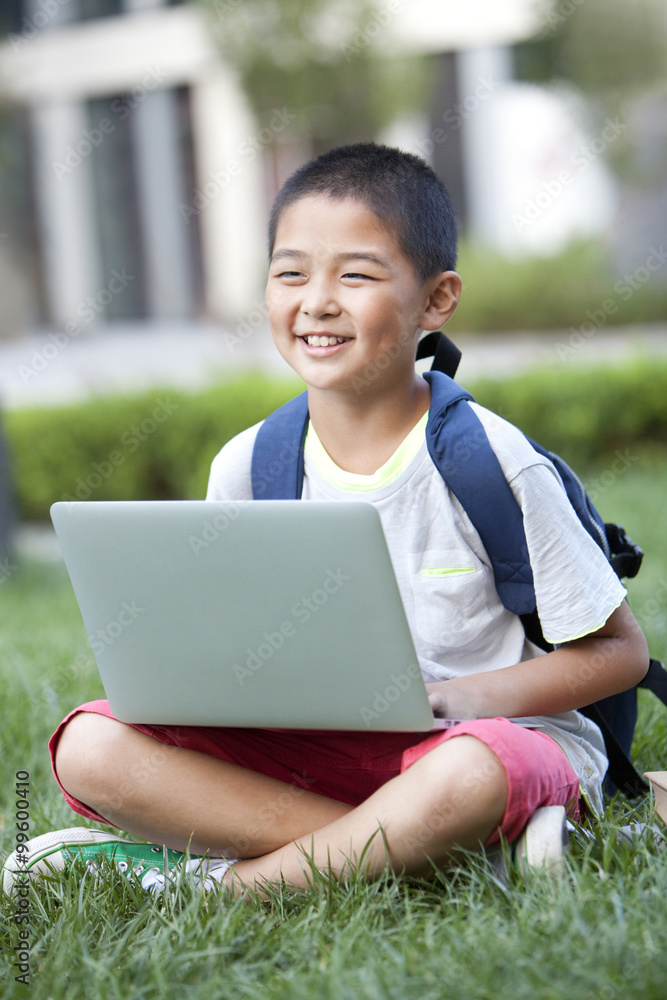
{"x": 588, "y": 414}
{"x": 155, "y": 445}
{"x": 559, "y": 292}
{"x": 159, "y": 444}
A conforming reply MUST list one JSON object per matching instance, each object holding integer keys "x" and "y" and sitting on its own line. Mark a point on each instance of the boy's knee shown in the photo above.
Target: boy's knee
{"x": 85, "y": 749}
{"x": 470, "y": 775}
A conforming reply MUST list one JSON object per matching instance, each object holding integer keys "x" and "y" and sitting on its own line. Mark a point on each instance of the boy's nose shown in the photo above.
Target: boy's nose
{"x": 318, "y": 300}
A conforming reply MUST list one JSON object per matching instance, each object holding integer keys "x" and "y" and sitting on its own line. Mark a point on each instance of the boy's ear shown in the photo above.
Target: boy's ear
{"x": 445, "y": 292}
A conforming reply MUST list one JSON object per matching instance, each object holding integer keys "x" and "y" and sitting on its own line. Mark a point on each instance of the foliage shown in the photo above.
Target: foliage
{"x": 153, "y": 445}
{"x": 319, "y": 59}
{"x": 159, "y": 445}
{"x": 603, "y": 47}
{"x": 587, "y": 415}
{"x": 612, "y": 47}
{"x": 552, "y": 293}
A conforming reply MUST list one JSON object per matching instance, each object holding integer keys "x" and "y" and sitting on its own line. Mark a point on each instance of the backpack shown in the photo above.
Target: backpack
{"x": 461, "y": 452}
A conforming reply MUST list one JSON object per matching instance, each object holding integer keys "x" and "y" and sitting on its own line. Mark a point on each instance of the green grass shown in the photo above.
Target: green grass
{"x": 600, "y": 933}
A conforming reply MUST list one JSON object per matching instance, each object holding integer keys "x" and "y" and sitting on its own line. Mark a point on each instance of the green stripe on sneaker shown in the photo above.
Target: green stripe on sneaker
{"x": 147, "y": 855}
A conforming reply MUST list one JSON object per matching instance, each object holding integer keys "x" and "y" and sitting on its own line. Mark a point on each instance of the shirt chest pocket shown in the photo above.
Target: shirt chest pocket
{"x": 450, "y": 589}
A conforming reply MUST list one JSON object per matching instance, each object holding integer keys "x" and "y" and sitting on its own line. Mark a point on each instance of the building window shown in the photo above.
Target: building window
{"x": 89, "y": 9}
{"x": 117, "y": 207}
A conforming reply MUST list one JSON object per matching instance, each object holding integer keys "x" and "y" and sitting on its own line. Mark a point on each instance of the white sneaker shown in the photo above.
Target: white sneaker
{"x": 542, "y": 843}
{"x": 152, "y": 866}
{"x": 540, "y": 846}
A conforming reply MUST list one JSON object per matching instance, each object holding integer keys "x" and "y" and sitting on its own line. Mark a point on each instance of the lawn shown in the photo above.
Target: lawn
{"x": 599, "y": 933}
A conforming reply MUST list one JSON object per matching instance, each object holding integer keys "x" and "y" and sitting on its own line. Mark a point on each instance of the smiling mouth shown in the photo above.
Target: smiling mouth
{"x": 323, "y": 340}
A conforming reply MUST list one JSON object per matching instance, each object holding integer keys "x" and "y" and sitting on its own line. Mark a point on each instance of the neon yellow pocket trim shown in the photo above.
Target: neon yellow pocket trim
{"x": 446, "y": 570}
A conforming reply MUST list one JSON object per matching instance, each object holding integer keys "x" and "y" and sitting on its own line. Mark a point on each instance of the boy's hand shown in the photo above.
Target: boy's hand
{"x": 448, "y": 701}
{"x": 611, "y": 659}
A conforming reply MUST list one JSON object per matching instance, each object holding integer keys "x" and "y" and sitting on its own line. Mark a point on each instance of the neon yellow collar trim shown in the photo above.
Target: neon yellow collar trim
{"x": 354, "y": 482}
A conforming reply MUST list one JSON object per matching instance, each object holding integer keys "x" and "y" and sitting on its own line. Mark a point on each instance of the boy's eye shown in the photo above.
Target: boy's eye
{"x": 358, "y": 276}
{"x": 290, "y": 274}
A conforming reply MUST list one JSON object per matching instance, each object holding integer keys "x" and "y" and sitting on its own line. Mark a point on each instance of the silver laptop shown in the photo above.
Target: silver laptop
{"x": 279, "y": 614}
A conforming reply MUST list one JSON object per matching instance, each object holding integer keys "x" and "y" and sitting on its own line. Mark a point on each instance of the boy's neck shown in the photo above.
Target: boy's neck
{"x": 361, "y": 433}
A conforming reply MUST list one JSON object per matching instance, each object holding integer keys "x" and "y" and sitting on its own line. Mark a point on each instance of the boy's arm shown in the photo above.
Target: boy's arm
{"x": 610, "y": 660}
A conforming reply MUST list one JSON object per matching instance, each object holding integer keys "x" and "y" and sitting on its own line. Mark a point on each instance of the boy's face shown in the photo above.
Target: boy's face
{"x": 344, "y": 302}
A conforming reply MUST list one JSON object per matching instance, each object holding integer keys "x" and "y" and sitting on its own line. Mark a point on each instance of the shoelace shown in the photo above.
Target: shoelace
{"x": 154, "y": 879}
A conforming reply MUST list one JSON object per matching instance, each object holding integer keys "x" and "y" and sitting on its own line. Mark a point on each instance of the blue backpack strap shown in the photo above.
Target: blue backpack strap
{"x": 446, "y": 355}
{"x": 277, "y": 459}
{"x": 461, "y": 452}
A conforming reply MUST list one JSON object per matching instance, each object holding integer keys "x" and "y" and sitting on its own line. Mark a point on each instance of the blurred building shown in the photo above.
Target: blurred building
{"x": 149, "y": 180}
{"x": 142, "y": 161}
{"x": 524, "y": 163}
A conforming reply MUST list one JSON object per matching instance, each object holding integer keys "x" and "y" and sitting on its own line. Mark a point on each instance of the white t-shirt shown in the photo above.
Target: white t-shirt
{"x": 458, "y": 622}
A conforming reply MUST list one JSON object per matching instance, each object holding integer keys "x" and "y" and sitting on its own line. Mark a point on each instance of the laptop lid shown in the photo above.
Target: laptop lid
{"x": 278, "y": 614}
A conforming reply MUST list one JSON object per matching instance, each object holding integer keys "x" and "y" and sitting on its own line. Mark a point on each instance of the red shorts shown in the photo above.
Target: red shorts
{"x": 350, "y": 766}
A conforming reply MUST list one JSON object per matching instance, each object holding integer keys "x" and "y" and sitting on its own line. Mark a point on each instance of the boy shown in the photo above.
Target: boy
{"x": 363, "y": 249}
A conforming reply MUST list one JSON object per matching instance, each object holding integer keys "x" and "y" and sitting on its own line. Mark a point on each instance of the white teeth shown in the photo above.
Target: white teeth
{"x": 316, "y": 341}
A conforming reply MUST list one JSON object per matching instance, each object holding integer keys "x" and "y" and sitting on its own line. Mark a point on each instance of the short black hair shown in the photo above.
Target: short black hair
{"x": 401, "y": 190}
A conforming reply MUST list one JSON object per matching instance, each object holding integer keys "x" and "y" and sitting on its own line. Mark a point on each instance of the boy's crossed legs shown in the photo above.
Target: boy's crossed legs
{"x": 432, "y": 793}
